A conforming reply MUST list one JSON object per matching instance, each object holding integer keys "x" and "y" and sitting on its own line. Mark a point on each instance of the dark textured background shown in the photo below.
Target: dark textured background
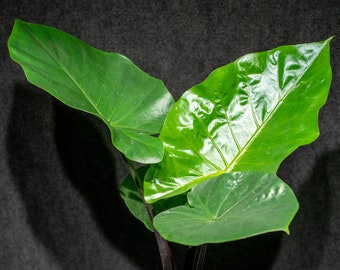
{"x": 59, "y": 203}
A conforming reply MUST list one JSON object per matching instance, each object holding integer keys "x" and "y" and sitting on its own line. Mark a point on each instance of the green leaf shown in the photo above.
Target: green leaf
{"x": 131, "y": 103}
{"x": 246, "y": 116}
{"x": 134, "y": 202}
{"x": 133, "y": 199}
{"x": 229, "y": 207}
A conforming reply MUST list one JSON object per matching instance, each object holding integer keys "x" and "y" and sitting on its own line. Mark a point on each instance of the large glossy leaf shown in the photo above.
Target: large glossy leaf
{"x": 246, "y": 116}
{"x": 229, "y": 207}
{"x": 108, "y": 85}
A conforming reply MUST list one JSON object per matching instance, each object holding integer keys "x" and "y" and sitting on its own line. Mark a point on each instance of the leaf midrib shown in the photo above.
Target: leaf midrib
{"x": 254, "y": 136}
{"x": 271, "y": 114}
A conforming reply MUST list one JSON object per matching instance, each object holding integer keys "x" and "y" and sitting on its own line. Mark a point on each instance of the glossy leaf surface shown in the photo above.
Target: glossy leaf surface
{"x": 131, "y": 103}
{"x": 246, "y": 116}
{"x": 229, "y": 207}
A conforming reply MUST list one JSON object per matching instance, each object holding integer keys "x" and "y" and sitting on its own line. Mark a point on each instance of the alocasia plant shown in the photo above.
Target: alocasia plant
{"x": 211, "y": 173}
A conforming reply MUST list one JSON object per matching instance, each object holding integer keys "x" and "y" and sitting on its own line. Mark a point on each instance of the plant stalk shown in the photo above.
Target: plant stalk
{"x": 195, "y": 257}
{"x": 165, "y": 253}
{"x": 200, "y": 257}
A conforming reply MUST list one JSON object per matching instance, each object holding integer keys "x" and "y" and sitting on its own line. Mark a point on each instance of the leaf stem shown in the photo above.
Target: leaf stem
{"x": 200, "y": 257}
{"x": 195, "y": 257}
{"x": 165, "y": 253}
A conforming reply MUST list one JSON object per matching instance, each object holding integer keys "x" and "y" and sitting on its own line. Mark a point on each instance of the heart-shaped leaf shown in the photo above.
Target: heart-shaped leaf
{"x": 131, "y": 103}
{"x": 246, "y": 116}
{"x": 229, "y": 207}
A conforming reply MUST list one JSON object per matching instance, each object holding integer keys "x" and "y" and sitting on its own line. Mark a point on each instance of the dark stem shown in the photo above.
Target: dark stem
{"x": 165, "y": 253}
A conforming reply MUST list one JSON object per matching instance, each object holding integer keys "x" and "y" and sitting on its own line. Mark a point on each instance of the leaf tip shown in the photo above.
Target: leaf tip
{"x": 330, "y": 38}
{"x": 286, "y": 230}
{"x": 327, "y": 41}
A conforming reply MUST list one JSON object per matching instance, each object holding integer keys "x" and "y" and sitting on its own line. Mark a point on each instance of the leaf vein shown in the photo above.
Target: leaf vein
{"x": 65, "y": 70}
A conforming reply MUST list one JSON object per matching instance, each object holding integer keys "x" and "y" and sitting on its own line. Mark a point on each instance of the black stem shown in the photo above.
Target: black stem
{"x": 163, "y": 246}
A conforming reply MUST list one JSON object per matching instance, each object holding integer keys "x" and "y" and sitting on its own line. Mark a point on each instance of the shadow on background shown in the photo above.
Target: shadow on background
{"x": 311, "y": 231}
{"x": 55, "y": 154}
{"x": 28, "y": 144}
{"x": 92, "y": 171}
{"x": 257, "y": 252}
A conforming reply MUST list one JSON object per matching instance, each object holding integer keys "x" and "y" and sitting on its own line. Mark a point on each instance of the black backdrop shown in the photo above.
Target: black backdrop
{"x": 59, "y": 202}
